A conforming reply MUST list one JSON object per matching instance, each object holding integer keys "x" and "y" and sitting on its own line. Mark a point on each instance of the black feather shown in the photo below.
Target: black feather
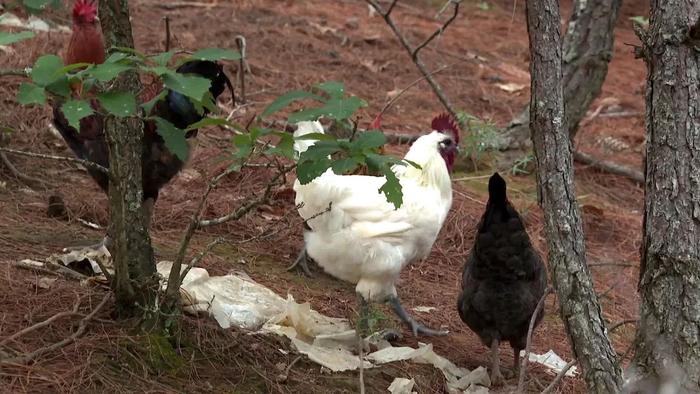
{"x": 504, "y": 276}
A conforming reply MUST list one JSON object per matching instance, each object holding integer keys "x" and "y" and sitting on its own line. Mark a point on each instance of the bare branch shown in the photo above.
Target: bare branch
{"x": 419, "y": 63}
{"x": 167, "y": 33}
{"x": 49, "y": 268}
{"x": 207, "y": 249}
{"x": 85, "y": 163}
{"x": 613, "y": 265}
{"x": 607, "y": 166}
{"x": 524, "y": 361}
{"x": 243, "y": 65}
{"x": 414, "y": 54}
{"x": 559, "y": 377}
{"x": 13, "y": 73}
{"x": 621, "y": 323}
{"x": 82, "y": 327}
{"x": 19, "y": 175}
{"x": 44, "y": 323}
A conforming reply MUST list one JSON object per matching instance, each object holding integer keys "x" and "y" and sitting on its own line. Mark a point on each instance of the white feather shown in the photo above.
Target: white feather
{"x": 363, "y": 239}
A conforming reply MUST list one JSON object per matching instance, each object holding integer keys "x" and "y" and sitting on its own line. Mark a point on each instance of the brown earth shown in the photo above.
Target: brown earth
{"x": 291, "y": 45}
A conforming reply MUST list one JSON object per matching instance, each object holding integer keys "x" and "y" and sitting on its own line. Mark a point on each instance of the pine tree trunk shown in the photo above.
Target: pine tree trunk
{"x": 668, "y": 335}
{"x": 579, "y": 306}
{"x": 588, "y": 48}
{"x": 135, "y": 282}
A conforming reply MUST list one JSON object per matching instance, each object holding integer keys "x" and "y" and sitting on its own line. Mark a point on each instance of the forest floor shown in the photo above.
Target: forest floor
{"x": 291, "y": 45}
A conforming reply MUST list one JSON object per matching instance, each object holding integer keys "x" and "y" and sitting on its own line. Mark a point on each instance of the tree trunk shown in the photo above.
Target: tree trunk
{"x": 588, "y": 48}
{"x": 579, "y": 306}
{"x": 668, "y": 336}
{"x": 135, "y": 282}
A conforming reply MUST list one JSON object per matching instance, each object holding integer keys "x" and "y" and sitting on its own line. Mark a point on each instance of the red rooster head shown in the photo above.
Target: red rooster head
{"x": 445, "y": 124}
{"x": 85, "y": 12}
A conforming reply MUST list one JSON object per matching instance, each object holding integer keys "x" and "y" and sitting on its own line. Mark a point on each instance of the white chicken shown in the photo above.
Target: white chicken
{"x": 363, "y": 238}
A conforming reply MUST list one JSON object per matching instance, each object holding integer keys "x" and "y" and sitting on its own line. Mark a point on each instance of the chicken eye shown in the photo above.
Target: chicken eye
{"x": 446, "y": 143}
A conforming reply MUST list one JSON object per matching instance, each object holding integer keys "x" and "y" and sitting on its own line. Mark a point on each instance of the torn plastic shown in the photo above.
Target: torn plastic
{"x": 552, "y": 361}
{"x": 402, "y": 386}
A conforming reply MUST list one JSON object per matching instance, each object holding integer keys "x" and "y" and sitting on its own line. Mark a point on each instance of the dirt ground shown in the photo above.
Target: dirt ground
{"x": 290, "y": 45}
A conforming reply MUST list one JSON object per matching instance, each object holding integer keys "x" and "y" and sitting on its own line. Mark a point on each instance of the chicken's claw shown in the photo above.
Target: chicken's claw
{"x": 416, "y": 327}
{"x": 302, "y": 261}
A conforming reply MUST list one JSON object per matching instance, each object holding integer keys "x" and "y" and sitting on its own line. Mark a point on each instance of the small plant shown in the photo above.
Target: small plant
{"x": 484, "y": 5}
{"x": 523, "y": 165}
{"x": 480, "y": 140}
{"x": 342, "y": 155}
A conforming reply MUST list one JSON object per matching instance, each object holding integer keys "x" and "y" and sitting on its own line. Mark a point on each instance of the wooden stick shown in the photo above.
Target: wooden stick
{"x": 523, "y": 363}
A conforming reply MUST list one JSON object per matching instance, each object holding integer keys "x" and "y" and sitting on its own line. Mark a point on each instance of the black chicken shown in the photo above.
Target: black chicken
{"x": 503, "y": 279}
{"x": 159, "y": 165}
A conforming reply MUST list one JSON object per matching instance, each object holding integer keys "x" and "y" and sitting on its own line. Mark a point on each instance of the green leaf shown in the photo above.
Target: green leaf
{"x": 344, "y": 166}
{"x": 46, "y": 70}
{"x": 31, "y": 94}
{"x": 288, "y": 98}
{"x": 332, "y": 88}
{"x": 74, "y": 110}
{"x": 305, "y": 114}
{"x": 209, "y": 122}
{"x": 162, "y": 59}
{"x": 148, "y": 106}
{"x": 174, "y": 138}
{"x": 369, "y": 140}
{"x": 38, "y": 5}
{"x": 128, "y": 51}
{"x": 216, "y": 54}
{"x": 342, "y": 108}
{"x": 316, "y": 136}
{"x": 116, "y": 57}
{"x": 60, "y": 87}
{"x": 285, "y": 146}
{"x": 11, "y": 38}
{"x": 319, "y": 151}
{"x": 121, "y": 104}
{"x": 190, "y": 86}
{"x": 243, "y": 144}
{"x": 106, "y": 72}
{"x": 310, "y": 170}
{"x": 392, "y": 188}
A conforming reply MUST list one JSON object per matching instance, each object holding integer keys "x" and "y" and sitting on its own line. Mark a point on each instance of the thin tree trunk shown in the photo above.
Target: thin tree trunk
{"x": 588, "y": 48}
{"x": 668, "y": 337}
{"x": 579, "y": 306}
{"x": 135, "y": 281}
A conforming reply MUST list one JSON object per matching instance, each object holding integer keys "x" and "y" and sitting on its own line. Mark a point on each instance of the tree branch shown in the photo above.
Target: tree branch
{"x": 414, "y": 52}
{"x": 559, "y": 377}
{"x": 14, "y": 73}
{"x": 19, "y": 175}
{"x": 610, "y": 167}
{"x": 85, "y": 163}
{"x": 44, "y": 323}
{"x": 531, "y": 328}
{"x": 82, "y": 327}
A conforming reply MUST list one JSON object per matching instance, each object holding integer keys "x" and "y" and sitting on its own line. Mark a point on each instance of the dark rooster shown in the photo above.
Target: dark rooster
{"x": 159, "y": 164}
{"x": 503, "y": 280}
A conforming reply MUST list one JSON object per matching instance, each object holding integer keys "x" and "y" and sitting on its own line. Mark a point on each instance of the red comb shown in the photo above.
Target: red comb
{"x": 445, "y": 122}
{"x": 85, "y": 9}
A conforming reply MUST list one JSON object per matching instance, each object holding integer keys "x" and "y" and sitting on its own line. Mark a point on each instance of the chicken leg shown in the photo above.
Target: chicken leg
{"x": 416, "y": 327}
{"x": 496, "y": 376}
{"x": 302, "y": 262}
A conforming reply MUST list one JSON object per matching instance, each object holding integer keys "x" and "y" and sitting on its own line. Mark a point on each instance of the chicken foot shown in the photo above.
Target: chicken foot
{"x": 302, "y": 262}
{"x": 416, "y": 327}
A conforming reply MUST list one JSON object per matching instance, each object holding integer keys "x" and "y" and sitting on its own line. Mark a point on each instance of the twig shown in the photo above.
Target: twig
{"x": 268, "y": 235}
{"x": 283, "y": 377}
{"x": 167, "y": 33}
{"x": 207, "y": 249}
{"x": 44, "y": 323}
{"x": 613, "y": 265}
{"x": 607, "y": 166}
{"x": 49, "y": 268}
{"x": 559, "y": 377}
{"x": 240, "y": 41}
{"x": 620, "y": 324}
{"x": 412, "y": 84}
{"x": 523, "y": 363}
{"x": 82, "y": 327}
{"x": 86, "y": 163}
{"x": 238, "y": 213}
{"x": 13, "y": 73}
{"x": 183, "y": 4}
{"x": 19, "y": 175}
{"x": 415, "y": 52}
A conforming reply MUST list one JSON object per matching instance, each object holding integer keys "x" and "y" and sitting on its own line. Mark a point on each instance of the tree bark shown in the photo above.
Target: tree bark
{"x": 135, "y": 282}
{"x": 579, "y": 305}
{"x": 588, "y": 48}
{"x": 668, "y": 338}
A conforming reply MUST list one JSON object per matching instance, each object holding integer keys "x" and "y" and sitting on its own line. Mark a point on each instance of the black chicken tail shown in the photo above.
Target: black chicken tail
{"x": 497, "y": 190}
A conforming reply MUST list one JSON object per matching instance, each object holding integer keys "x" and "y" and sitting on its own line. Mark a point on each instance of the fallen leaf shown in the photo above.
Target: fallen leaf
{"x": 46, "y": 282}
